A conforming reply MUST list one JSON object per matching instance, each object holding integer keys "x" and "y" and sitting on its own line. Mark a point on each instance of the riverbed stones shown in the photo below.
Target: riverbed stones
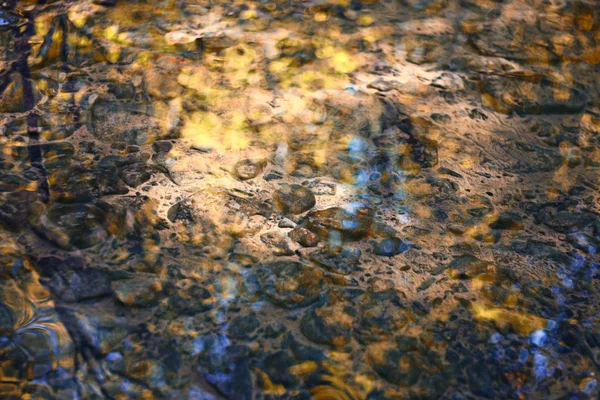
{"x": 562, "y": 220}
{"x": 390, "y": 247}
{"x": 304, "y": 237}
{"x": 338, "y": 260}
{"x": 278, "y": 243}
{"x": 189, "y": 298}
{"x": 329, "y": 325}
{"x": 136, "y": 174}
{"x": 467, "y": 266}
{"x": 293, "y": 199}
{"x": 400, "y": 365}
{"x": 290, "y": 284}
{"x": 380, "y": 315}
{"x": 145, "y": 290}
{"x": 526, "y": 97}
{"x": 352, "y": 225}
{"x": 242, "y": 316}
{"x": 72, "y": 226}
{"x": 248, "y": 169}
{"x": 508, "y": 221}
{"x": 114, "y": 121}
{"x": 87, "y": 284}
{"x": 225, "y": 365}
{"x": 402, "y": 362}
{"x": 243, "y": 327}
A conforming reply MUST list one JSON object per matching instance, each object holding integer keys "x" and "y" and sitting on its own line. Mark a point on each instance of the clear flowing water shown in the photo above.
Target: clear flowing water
{"x": 344, "y": 199}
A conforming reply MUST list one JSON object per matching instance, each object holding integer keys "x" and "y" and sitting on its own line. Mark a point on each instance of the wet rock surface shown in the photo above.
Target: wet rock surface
{"x": 273, "y": 200}
{"x": 294, "y": 199}
{"x": 351, "y": 225}
{"x": 290, "y": 283}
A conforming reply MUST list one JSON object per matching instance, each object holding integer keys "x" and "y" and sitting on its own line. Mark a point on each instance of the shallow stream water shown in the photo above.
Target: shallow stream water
{"x": 343, "y": 199}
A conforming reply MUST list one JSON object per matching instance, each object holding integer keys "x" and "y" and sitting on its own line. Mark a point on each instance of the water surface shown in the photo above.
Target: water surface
{"x": 345, "y": 199}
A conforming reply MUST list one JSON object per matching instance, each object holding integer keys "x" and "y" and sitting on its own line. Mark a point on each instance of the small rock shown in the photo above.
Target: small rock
{"x": 106, "y": 3}
{"x": 81, "y": 285}
{"x": 564, "y": 220}
{"x": 342, "y": 261}
{"x": 143, "y": 291}
{"x": 136, "y": 174}
{"x": 248, "y": 169}
{"x": 390, "y": 247}
{"x": 449, "y": 82}
{"x": 286, "y": 223}
{"x": 242, "y": 327}
{"x": 304, "y": 237}
{"x": 294, "y": 199}
{"x": 381, "y": 314}
{"x": 189, "y": 298}
{"x": 162, "y": 146}
{"x": 273, "y": 175}
{"x": 350, "y": 224}
{"x": 69, "y": 226}
{"x": 290, "y": 284}
{"x": 329, "y": 325}
{"x": 508, "y": 221}
{"x": 322, "y": 188}
{"x": 400, "y": 365}
{"x": 225, "y": 365}
{"x": 100, "y": 330}
{"x": 377, "y": 284}
{"x": 426, "y": 284}
{"x": 467, "y": 266}
{"x": 382, "y": 85}
{"x": 384, "y": 230}
{"x": 245, "y": 260}
{"x": 480, "y": 381}
{"x": 277, "y": 366}
{"x": 278, "y": 243}
{"x": 584, "y": 242}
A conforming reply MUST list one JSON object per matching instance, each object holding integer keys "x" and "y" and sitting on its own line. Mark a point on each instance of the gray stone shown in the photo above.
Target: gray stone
{"x": 390, "y": 247}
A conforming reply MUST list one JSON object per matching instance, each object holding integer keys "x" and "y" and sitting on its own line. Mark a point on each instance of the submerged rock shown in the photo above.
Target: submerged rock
{"x": 87, "y": 284}
{"x": 143, "y": 291}
{"x": 225, "y": 365}
{"x": 350, "y": 224}
{"x": 564, "y": 220}
{"x": 114, "y": 121}
{"x": 243, "y": 327}
{"x": 329, "y": 325}
{"x": 278, "y": 243}
{"x": 508, "y": 221}
{"x": 248, "y": 169}
{"x": 72, "y": 226}
{"x": 289, "y": 283}
{"x": 391, "y": 247}
{"x": 304, "y": 237}
{"x": 467, "y": 266}
{"x": 189, "y": 298}
{"x": 380, "y": 315}
{"x": 525, "y": 97}
{"x": 294, "y": 199}
{"x": 341, "y": 261}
